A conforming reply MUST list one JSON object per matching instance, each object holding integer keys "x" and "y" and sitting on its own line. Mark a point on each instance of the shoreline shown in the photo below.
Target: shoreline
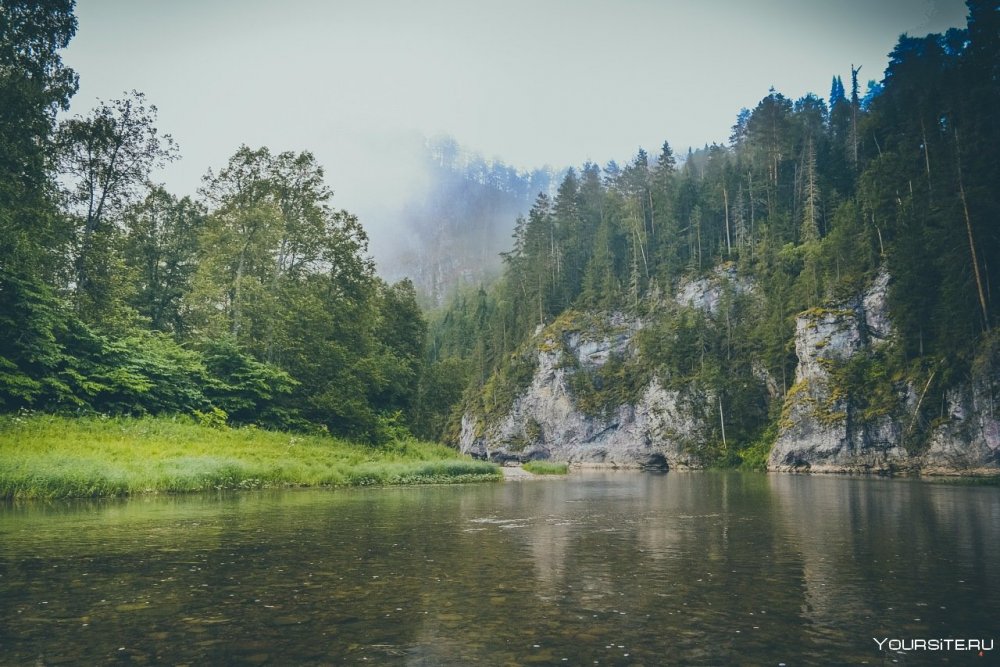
{"x": 930, "y": 473}
{"x": 52, "y": 457}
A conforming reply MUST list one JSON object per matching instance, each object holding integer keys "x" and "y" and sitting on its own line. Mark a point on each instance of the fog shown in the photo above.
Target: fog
{"x": 365, "y": 85}
{"x": 435, "y": 211}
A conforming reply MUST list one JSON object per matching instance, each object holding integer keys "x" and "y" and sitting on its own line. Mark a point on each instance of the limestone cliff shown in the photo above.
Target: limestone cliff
{"x": 548, "y": 421}
{"x": 968, "y": 439}
{"x": 584, "y": 394}
{"x": 826, "y": 429}
{"x": 590, "y": 400}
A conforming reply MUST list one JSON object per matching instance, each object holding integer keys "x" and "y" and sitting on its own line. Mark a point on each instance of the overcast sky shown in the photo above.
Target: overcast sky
{"x": 531, "y": 82}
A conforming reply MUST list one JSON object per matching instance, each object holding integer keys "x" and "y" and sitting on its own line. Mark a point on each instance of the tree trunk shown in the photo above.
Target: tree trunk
{"x": 722, "y": 421}
{"x": 725, "y": 205}
{"x": 972, "y": 242}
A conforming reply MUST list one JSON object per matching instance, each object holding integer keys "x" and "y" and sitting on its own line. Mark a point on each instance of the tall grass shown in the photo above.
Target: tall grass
{"x": 45, "y": 456}
{"x": 546, "y": 468}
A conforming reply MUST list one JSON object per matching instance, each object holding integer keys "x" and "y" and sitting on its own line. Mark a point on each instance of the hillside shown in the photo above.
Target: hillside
{"x": 816, "y": 293}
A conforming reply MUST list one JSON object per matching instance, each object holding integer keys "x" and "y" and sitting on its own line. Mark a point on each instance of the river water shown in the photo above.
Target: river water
{"x": 600, "y": 568}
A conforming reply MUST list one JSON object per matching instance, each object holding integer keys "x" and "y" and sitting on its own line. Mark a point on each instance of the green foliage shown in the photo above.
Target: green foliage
{"x": 34, "y": 86}
{"x": 389, "y": 428}
{"x": 105, "y": 158}
{"x": 441, "y": 385}
{"x": 546, "y": 468}
{"x": 402, "y": 332}
{"x": 509, "y": 380}
{"x": 145, "y": 373}
{"x": 213, "y": 418}
{"x": 873, "y": 383}
{"x": 162, "y": 247}
{"x": 32, "y": 357}
{"x": 753, "y": 455}
{"x": 676, "y": 344}
{"x": 598, "y": 392}
{"x": 248, "y": 391}
{"x": 52, "y": 361}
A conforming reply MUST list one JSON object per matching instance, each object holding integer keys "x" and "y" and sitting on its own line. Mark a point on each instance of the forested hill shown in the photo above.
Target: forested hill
{"x": 255, "y": 302}
{"x": 809, "y": 200}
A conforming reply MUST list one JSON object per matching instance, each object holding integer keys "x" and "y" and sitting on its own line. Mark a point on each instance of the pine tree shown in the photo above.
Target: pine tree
{"x": 811, "y": 206}
{"x": 855, "y": 110}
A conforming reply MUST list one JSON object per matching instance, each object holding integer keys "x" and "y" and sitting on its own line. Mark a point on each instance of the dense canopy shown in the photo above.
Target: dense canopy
{"x": 257, "y": 301}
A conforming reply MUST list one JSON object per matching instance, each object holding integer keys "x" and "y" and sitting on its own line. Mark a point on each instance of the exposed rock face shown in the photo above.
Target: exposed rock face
{"x": 596, "y": 353}
{"x": 706, "y": 294}
{"x": 823, "y": 431}
{"x": 545, "y": 422}
{"x": 874, "y": 308}
{"x": 969, "y": 441}
{"x": 819, "y": 430}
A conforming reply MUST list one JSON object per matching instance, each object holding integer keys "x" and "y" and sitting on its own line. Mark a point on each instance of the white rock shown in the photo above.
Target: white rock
{"x": 544, "y": 421}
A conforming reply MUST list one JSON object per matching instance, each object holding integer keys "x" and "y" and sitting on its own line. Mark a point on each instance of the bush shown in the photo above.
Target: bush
{"x": 248, "y": 390}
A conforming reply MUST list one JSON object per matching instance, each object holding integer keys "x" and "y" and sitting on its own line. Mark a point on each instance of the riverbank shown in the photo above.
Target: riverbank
{"x": 45, "y": 456}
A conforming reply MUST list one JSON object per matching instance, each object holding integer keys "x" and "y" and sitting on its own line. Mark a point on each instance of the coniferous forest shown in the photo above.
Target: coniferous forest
{"x": 256, "y": 301}
{"x": 808, "y": 201}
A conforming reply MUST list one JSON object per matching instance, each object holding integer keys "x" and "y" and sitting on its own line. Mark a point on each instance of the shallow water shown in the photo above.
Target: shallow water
{"x": 600, "y": 568}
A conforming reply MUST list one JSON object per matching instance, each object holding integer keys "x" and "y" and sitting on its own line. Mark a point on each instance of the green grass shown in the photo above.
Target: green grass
{"x": 44, "y": 456}
{"x": 546, "y": 468}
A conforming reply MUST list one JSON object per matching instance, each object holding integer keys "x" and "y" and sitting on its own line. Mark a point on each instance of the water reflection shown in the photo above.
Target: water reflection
{"x": 893, "y": 558}
{"x": 618, "y": 568}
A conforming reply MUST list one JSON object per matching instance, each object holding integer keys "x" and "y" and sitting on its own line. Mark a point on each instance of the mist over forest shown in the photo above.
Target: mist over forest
{"x": 449, "y": 228}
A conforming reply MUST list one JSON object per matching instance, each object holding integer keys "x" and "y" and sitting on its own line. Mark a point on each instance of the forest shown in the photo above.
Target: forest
{"x": 808, "y": 201}
{"x": 256, "y": 302}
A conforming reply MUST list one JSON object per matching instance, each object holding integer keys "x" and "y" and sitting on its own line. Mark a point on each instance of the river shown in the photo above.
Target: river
{"x": 612, "y": 568}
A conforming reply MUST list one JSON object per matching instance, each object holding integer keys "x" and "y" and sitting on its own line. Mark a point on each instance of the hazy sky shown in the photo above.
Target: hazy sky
{"x": 531, "y": 82}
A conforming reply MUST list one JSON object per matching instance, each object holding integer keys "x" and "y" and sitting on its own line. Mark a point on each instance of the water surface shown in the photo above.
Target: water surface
{"x": 601, "y": 568}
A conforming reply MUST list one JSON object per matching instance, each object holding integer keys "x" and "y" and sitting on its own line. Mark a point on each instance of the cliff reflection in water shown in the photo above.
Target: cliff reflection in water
{"x": 622, "y": 568}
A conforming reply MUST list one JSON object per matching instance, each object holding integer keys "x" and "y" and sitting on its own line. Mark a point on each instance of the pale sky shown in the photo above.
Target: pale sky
{"x": 531, "y": 82}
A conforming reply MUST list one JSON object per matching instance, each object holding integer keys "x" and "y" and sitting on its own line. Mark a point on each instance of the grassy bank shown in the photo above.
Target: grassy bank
{"x": 43, "y": 456}
{"x": 546, "y": 468}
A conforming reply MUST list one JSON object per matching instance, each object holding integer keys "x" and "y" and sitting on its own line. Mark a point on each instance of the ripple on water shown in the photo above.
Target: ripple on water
{"x": 706, "y": 569}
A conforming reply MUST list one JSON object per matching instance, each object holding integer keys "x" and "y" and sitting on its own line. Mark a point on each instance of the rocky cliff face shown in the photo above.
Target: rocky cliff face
{"x": 655, "y": 426}
{"x": 969, "y": 440}
{"x": 820, "y": 429}
{"x": 823, "y": 429}
{"x": 706, "y": 294}
{"x": 546, "y": 422}
{"x": 825, "y": 426}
